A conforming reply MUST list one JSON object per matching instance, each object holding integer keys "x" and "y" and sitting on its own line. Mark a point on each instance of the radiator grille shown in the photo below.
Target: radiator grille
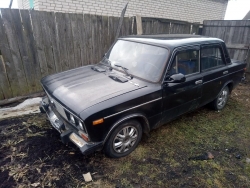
{"x": 63, "y": 112}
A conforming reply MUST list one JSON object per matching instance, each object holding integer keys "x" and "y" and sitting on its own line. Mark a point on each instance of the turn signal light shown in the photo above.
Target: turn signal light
{"x": 99, "y": 121}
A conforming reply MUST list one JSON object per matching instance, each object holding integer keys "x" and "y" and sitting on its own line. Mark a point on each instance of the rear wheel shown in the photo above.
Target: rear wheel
{"x": 124, "y": 139}
{"x": 220, "y": 102}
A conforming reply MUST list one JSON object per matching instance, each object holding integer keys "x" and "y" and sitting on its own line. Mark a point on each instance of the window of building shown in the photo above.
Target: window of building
{"x": 31, "y": 4}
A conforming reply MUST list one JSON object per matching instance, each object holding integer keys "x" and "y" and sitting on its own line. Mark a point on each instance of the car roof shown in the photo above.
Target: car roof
{"x": 172, "y": 40}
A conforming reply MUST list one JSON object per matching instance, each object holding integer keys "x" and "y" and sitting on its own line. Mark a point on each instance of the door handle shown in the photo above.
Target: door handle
{"x": 198, "y": 82}
{"x": 225, "y": 72}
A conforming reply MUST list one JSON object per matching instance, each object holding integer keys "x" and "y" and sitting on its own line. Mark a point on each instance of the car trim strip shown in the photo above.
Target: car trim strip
{"x": 221, "y": 76}
{"x": 132, "y": 108}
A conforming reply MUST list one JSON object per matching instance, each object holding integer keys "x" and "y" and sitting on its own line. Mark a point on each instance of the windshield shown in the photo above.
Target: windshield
{"x": 141, "y": 60}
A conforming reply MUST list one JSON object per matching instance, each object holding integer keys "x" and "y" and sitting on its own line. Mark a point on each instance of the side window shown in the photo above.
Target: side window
{"x": 185, "y": 62}
{"x": 211, "y": 56}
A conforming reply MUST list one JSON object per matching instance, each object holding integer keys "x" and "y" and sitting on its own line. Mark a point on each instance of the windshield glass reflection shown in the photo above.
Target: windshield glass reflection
{"x": 141, "y": 60}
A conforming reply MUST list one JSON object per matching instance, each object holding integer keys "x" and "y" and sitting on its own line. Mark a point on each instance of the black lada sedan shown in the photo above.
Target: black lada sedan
{"x": 141, "y": 83}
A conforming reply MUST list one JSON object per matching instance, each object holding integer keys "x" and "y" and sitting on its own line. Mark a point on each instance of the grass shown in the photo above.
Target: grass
{"x": 32, "y": 152}
{"x": 163, "y": 157}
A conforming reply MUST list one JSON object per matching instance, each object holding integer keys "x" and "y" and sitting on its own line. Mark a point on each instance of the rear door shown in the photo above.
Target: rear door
{"x": 179, "y": 98}
{"x": 214, "y": 71}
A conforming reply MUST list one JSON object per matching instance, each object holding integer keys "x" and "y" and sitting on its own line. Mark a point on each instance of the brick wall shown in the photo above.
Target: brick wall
{"x": 25, "y": 4}
{"x": 186, "y": 10}
{"x": 36, "y": 4}
{"x": 20, "y": 4}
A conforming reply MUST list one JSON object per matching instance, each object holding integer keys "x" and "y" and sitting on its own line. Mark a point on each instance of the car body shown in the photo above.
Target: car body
{"x": 141, "y": 83}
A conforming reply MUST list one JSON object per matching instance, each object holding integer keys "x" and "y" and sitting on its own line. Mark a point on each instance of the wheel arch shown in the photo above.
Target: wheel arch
{"x": 137, "y": 116}
{"x": 229, "y": 84}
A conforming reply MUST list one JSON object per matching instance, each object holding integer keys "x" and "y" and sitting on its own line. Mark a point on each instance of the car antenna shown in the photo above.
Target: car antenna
{"x": 121, "y": 21}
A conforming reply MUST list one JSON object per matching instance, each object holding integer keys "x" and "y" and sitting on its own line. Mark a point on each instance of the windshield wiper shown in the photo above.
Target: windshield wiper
{"x": 125, "y": 70}
{"x": 107, "y": 61}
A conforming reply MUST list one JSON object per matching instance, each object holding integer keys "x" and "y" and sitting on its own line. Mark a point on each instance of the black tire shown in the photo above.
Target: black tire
{"x": 124, "y": 139}
{"x": 220, "y": 102}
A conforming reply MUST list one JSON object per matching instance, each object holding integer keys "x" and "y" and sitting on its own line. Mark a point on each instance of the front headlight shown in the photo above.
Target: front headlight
{"x": 80, "y": 125}
{"x": 72, "y": 119}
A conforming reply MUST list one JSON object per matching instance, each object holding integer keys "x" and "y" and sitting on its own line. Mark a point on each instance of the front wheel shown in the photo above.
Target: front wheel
{"x": 124, "y": 139}
{"x": 220, "y": 102}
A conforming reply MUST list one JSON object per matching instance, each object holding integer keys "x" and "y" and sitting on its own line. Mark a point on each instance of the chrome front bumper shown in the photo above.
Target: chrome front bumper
{"x": 67, "y": 134}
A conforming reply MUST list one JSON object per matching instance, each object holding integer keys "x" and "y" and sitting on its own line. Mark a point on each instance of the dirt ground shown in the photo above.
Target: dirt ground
{"x": 32, "y": 155}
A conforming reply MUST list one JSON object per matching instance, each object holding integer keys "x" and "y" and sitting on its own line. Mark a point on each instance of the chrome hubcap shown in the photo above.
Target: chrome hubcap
{"x": 222, "y": 98}
{"x": 125, "y": 139}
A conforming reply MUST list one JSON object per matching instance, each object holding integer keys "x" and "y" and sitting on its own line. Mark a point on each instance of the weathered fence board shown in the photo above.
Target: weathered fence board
{"x": 47, "y": 30}
{"x": 38, "y": 34}
{"x": 15, "y": 53}
{"x": 76, "y": 40}
{"x": 179, "y": 28}
{"x": 82, "y": 39}
{"x": 36, "y": 43}
{"x": 87, "y": 38}
{"x": 32, "y": 53}
{"x": 69, "y": 42}
{"x": 4, "y": 82}
{"x": 64, "y": 33}
{"x": 54, "y": 43}
{"x": 21, "y": 40}
{"x": 235, "y": 33}
{"x": 8, "y": 65}
{"x": 94, "y": 41}
{"x": 105, "y": 32}
{"x": 166, "y": 26}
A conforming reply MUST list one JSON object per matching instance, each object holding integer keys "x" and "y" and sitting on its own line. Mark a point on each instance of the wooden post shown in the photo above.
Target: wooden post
{"x": 139, "y": 25}
{"x": 248, "y": 59}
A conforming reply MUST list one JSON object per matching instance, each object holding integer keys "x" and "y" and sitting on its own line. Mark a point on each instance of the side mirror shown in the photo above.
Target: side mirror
{"x": 176, "y": 78}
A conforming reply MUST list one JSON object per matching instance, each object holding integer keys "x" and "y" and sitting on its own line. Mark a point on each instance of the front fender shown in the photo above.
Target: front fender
{"x": 145, "y": 125}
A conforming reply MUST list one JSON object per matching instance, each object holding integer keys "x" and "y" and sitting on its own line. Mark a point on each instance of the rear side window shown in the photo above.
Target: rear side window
{"x": 211, "y": 57}
{"x": 185, "y": 62}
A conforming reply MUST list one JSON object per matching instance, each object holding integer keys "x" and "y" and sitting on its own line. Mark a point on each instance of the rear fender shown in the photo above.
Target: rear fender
{"x": 230, "y": 87}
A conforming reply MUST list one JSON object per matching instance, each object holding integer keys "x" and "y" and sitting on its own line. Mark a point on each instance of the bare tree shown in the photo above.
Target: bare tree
{"x": 11, "y": 1}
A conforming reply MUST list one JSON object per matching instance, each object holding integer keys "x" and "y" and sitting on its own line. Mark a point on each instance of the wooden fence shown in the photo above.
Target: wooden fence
{"x": 34, "y": 44}
{"x": 236, "y": 35}
{"x": 167, "y": 26}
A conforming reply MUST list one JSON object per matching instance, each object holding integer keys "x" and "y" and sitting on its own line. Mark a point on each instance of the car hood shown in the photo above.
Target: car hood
{"x": 83, "y": 87}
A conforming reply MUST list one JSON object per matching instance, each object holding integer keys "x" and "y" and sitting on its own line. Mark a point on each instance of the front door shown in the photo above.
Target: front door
{"x": 179, "y": 98}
